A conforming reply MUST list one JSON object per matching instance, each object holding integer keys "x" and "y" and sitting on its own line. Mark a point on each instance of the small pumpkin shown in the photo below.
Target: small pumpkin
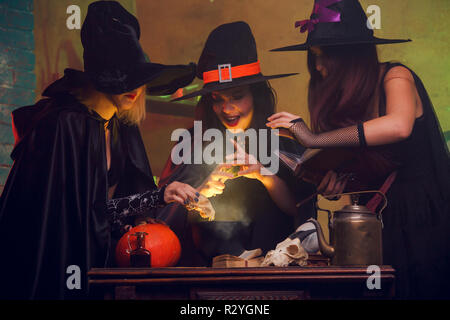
{"x": 161, "y": 241}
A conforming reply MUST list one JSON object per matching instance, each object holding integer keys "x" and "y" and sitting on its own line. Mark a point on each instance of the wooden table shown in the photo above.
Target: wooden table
{"x": 268, "y": 283}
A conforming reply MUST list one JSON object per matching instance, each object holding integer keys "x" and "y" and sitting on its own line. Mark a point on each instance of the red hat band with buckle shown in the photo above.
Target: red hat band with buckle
{"x": 226, "y": 73}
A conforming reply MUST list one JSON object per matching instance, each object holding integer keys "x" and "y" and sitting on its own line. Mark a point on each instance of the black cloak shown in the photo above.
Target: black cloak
{"x": 53, "y": 206}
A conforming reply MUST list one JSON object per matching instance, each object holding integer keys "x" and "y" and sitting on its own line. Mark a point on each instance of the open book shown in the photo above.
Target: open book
{"x": 251, "y": 258}
{"x": 313, "y": 164}
{"x": 363, "y": 166}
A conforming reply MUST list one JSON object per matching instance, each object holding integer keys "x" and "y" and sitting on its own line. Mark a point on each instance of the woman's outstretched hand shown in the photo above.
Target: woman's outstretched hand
{"x": 246, "y": 164}
{"x": 181, "y": 193}
{"x": 250, "y": 167}
{"x": 281, "y": 120}
{"x": 216, "y": 182}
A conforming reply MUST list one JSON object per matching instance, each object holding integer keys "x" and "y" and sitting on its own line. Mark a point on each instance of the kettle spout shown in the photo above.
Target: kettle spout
{"x": 325, "y": 248}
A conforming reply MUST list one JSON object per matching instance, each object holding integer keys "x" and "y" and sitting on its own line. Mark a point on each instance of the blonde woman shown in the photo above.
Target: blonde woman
{"x": 77, "y": 154}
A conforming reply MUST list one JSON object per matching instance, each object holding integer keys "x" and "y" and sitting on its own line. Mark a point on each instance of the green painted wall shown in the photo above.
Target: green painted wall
{"x": 427, "y": 23}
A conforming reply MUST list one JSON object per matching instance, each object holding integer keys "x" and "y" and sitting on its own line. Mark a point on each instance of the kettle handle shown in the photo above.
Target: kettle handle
{"x": 316, "y": 205}
{"x": 359, "y": 192}
{"x": 378, "y": 214}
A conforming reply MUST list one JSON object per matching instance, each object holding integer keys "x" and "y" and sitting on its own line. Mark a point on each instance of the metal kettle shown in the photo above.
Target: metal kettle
{"x": 355, "y": 236}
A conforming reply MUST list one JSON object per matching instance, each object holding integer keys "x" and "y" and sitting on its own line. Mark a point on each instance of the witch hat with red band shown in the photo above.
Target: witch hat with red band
{"x": 229, "y": 59}
{"x": 336, "y": 22}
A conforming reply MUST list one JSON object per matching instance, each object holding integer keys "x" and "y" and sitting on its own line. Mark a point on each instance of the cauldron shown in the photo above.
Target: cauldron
{"x": 213, "y": 238}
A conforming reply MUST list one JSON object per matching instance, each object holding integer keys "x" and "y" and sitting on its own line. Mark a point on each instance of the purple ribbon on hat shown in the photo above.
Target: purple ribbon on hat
{"x": 320, "y": 14}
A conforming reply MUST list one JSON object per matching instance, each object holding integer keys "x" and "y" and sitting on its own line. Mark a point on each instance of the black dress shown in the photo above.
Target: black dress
{"x": 416, "y": 233}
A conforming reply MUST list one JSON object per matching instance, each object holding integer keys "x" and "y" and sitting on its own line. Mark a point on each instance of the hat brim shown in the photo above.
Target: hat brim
{"x": 170, "y": 78}
{"x": 339, "y": 42}
{"x": 160, "y": 79}
{"x": 235, "y": 83}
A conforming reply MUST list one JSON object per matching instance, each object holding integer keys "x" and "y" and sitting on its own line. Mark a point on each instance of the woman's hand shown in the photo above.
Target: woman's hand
{"x": 250, "y": 167}
{"x": 216, "y": 182}
{"x": 181, "y": 193}
{"x": 281, "y": 120}
{"x": 331, "y": 184}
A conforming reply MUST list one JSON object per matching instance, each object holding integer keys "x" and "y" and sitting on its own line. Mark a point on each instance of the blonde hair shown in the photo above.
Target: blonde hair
{"x": 136, "y": 114}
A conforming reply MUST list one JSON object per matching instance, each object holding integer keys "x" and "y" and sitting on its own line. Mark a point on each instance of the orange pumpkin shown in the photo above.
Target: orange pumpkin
{"x": 161, "y": 241}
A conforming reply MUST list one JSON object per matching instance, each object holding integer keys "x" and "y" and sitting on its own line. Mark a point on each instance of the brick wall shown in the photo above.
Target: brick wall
{"x": 17, "y": 77}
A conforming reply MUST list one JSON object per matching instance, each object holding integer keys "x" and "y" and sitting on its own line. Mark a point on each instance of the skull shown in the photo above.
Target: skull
{"x": 287, "y": 252}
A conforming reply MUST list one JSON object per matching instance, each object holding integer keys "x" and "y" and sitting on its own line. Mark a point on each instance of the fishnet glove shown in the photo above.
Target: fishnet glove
{"x": 121, "y": 209}
{"x": 352, "y": 136}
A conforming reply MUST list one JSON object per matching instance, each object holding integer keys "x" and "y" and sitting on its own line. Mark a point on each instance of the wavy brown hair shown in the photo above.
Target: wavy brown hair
{"x": 345, "y": 95}
{"x": 264, "y": 102}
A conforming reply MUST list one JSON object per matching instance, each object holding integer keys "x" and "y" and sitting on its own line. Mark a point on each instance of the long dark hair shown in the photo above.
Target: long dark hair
{"x": 264, "y": 102}
{"x": 344, "y": 96}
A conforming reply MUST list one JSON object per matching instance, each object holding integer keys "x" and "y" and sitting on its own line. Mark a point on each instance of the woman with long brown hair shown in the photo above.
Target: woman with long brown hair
{"x": 253, "y": 210}
{"x": 383, "y": 110}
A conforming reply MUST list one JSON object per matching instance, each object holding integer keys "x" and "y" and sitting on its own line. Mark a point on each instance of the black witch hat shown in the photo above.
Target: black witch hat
{"x": 336, "y": 22}
{"x": 229, "y": 59}
{"x": 113, "y": 58}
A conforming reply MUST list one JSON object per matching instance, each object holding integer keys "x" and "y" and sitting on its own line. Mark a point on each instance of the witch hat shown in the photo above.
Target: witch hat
{"x": 114, "y": 60}
{"x": 229, "y": 59}
{"x": 336, "y": 22}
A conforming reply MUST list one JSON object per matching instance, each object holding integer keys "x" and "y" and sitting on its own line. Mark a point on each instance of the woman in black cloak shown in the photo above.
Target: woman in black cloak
{"x": 384, "y": 110}
{"x": 74, "y": 152}
{"x": 252, "y": 210}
